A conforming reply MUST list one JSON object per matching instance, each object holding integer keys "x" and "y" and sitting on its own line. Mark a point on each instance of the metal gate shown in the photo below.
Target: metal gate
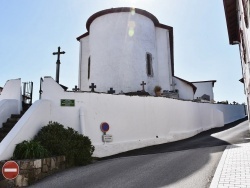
{"x": 27, "y": 95}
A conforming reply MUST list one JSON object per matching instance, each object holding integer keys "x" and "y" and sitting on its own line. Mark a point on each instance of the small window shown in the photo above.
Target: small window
{"x": 149, "y": 64}
{"x": 89, "y": 67}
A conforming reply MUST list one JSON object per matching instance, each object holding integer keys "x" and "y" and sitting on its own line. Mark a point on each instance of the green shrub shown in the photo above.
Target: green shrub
{"x": 60, "y": 141}
{"x": 29, "y": 150}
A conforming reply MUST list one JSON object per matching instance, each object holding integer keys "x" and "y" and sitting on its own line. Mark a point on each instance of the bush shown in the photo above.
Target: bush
{"x": 60, "y": 141}
{"x": 30, "y": 150}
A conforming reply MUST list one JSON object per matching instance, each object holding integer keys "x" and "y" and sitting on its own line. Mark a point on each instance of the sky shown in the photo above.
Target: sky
{"x": 30, "y": 31}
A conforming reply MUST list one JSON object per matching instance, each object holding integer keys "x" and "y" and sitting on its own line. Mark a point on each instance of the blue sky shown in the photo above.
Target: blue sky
{"x": 32, "y": 30}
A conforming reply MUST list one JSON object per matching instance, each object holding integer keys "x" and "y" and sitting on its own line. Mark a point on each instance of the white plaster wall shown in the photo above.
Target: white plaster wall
{"x": 7, "y": 107}
{"x": 134, "y": 121}
{"x": 164, "y": 60}
{"x": 12, "y": 90}
{"x": 118, "y": 60}
{"x": 204, "y": 88}
{"x": 83, "y": 64}
{"x": 26, "y": 128}
{"x": 231, "y": 112}
{"x": 185, "y": 91}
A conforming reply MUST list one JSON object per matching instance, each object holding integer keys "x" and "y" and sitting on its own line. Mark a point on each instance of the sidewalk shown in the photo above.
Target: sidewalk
{"x": 234, "y": 167}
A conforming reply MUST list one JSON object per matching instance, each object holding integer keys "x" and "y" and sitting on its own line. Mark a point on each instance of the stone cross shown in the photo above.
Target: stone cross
{"x": 75, "y": 88}
{"x": 58, "y": 63}
{"x": 92, "y": 87}
{"x": 143, "y": 84}
{"x": 111, "y": 91}
{"x": 173, "y": 85}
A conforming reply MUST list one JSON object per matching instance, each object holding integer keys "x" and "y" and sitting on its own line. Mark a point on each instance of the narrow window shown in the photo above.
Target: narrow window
{"x": 149, "y": 64}
{"x": 89, "y": 67}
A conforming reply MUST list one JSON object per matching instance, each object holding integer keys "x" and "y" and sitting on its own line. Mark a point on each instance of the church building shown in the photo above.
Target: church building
{"x": 125, "y": 49}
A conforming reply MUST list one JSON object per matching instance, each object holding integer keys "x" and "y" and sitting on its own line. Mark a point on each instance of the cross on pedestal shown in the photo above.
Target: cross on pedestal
{"x": 143, "y": 84}
{"x": 75, "y": 88}
{"x": 92, "y": 87}
{"x": 173, "y": 85}
{"x": 58, "y": 63}
{"x": 111, "y": 91}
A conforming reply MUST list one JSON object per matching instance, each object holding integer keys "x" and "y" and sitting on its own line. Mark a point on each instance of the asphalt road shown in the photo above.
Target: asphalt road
{"x": 188, "y": 163}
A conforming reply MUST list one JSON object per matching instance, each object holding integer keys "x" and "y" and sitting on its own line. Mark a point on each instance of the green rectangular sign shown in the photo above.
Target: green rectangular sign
{"x": 67, "y": 102}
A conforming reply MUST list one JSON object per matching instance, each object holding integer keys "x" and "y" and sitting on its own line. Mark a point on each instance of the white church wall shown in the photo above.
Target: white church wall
{"x": 164, "y": 60}
{"x": 134, "y": 121}
{"x": 186, "y": 92}
{"x": 118, "y": 60}
{"x": 204, "y": 88}
{"x": 7, "y": 107}
{"x": 137, "y": 120}
{"x": 26, "y": 128}
{"x": 83, "y": 64}
{"x": 142, "y": 121}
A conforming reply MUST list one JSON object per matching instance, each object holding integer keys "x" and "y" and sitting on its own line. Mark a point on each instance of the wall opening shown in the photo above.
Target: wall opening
{"x": 149, "y": 64}
{"x": 89, "y": 67}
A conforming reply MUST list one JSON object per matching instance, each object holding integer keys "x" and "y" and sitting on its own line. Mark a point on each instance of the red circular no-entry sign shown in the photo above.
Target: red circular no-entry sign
{"x": 10, "y": 170}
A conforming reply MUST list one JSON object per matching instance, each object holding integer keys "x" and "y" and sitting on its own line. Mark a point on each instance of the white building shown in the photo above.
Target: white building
{"x": 204, "y": 90}
{"x": 237, "y": 18}
{"x": 125, "y": 47}
{"x": 122, "y": 48}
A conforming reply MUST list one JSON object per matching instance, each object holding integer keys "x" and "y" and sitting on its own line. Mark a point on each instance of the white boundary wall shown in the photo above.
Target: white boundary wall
{"x": 26, "y": 128}
{"x": 232, "y": 112}
{"x": 134, "y": 121}
{"x": 10, "y": 100}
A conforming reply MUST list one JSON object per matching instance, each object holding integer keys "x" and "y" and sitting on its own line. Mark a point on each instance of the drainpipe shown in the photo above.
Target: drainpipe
{"x": 82, "y": 121}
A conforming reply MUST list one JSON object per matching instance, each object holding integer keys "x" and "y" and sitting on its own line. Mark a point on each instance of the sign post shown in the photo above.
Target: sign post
{"x": 106, "y": 137}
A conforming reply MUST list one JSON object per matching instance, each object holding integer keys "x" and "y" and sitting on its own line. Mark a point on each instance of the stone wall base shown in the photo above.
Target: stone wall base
{"x": 32, "y": 170}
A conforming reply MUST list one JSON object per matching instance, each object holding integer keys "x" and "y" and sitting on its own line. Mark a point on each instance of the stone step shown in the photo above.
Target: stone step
{"x": 16, "y": 115}
{"x": 5, "y": 129}
{"x": 2, "y": 135}
{"x": 8, "y": 124}
{"x": 14, "y": 120}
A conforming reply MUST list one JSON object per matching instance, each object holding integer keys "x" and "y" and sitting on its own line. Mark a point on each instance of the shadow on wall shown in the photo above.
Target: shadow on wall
{"x": 169, "y": 162}
{"x": 201, "y": 140}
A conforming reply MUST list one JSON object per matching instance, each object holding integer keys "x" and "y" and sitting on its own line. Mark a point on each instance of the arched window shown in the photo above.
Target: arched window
{"x": 89, "y": 67}
{"x": 149, "y": 64}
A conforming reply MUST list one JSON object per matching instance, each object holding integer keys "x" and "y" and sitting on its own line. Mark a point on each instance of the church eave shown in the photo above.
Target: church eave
{"x": 171, "y": 35}
{"x": 213, "y": 81}
{"x": 82, "y": 36}
{"x": 230, "y": 7}
{"x": 121, "y": 9}
{"x": 189, "y": 83}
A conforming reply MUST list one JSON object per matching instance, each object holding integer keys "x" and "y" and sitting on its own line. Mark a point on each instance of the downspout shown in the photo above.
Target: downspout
{"x": 82, "y": 121}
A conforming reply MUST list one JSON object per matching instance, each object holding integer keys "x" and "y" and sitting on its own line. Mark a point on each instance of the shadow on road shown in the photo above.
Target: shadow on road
{"x": 200, "y": 140}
